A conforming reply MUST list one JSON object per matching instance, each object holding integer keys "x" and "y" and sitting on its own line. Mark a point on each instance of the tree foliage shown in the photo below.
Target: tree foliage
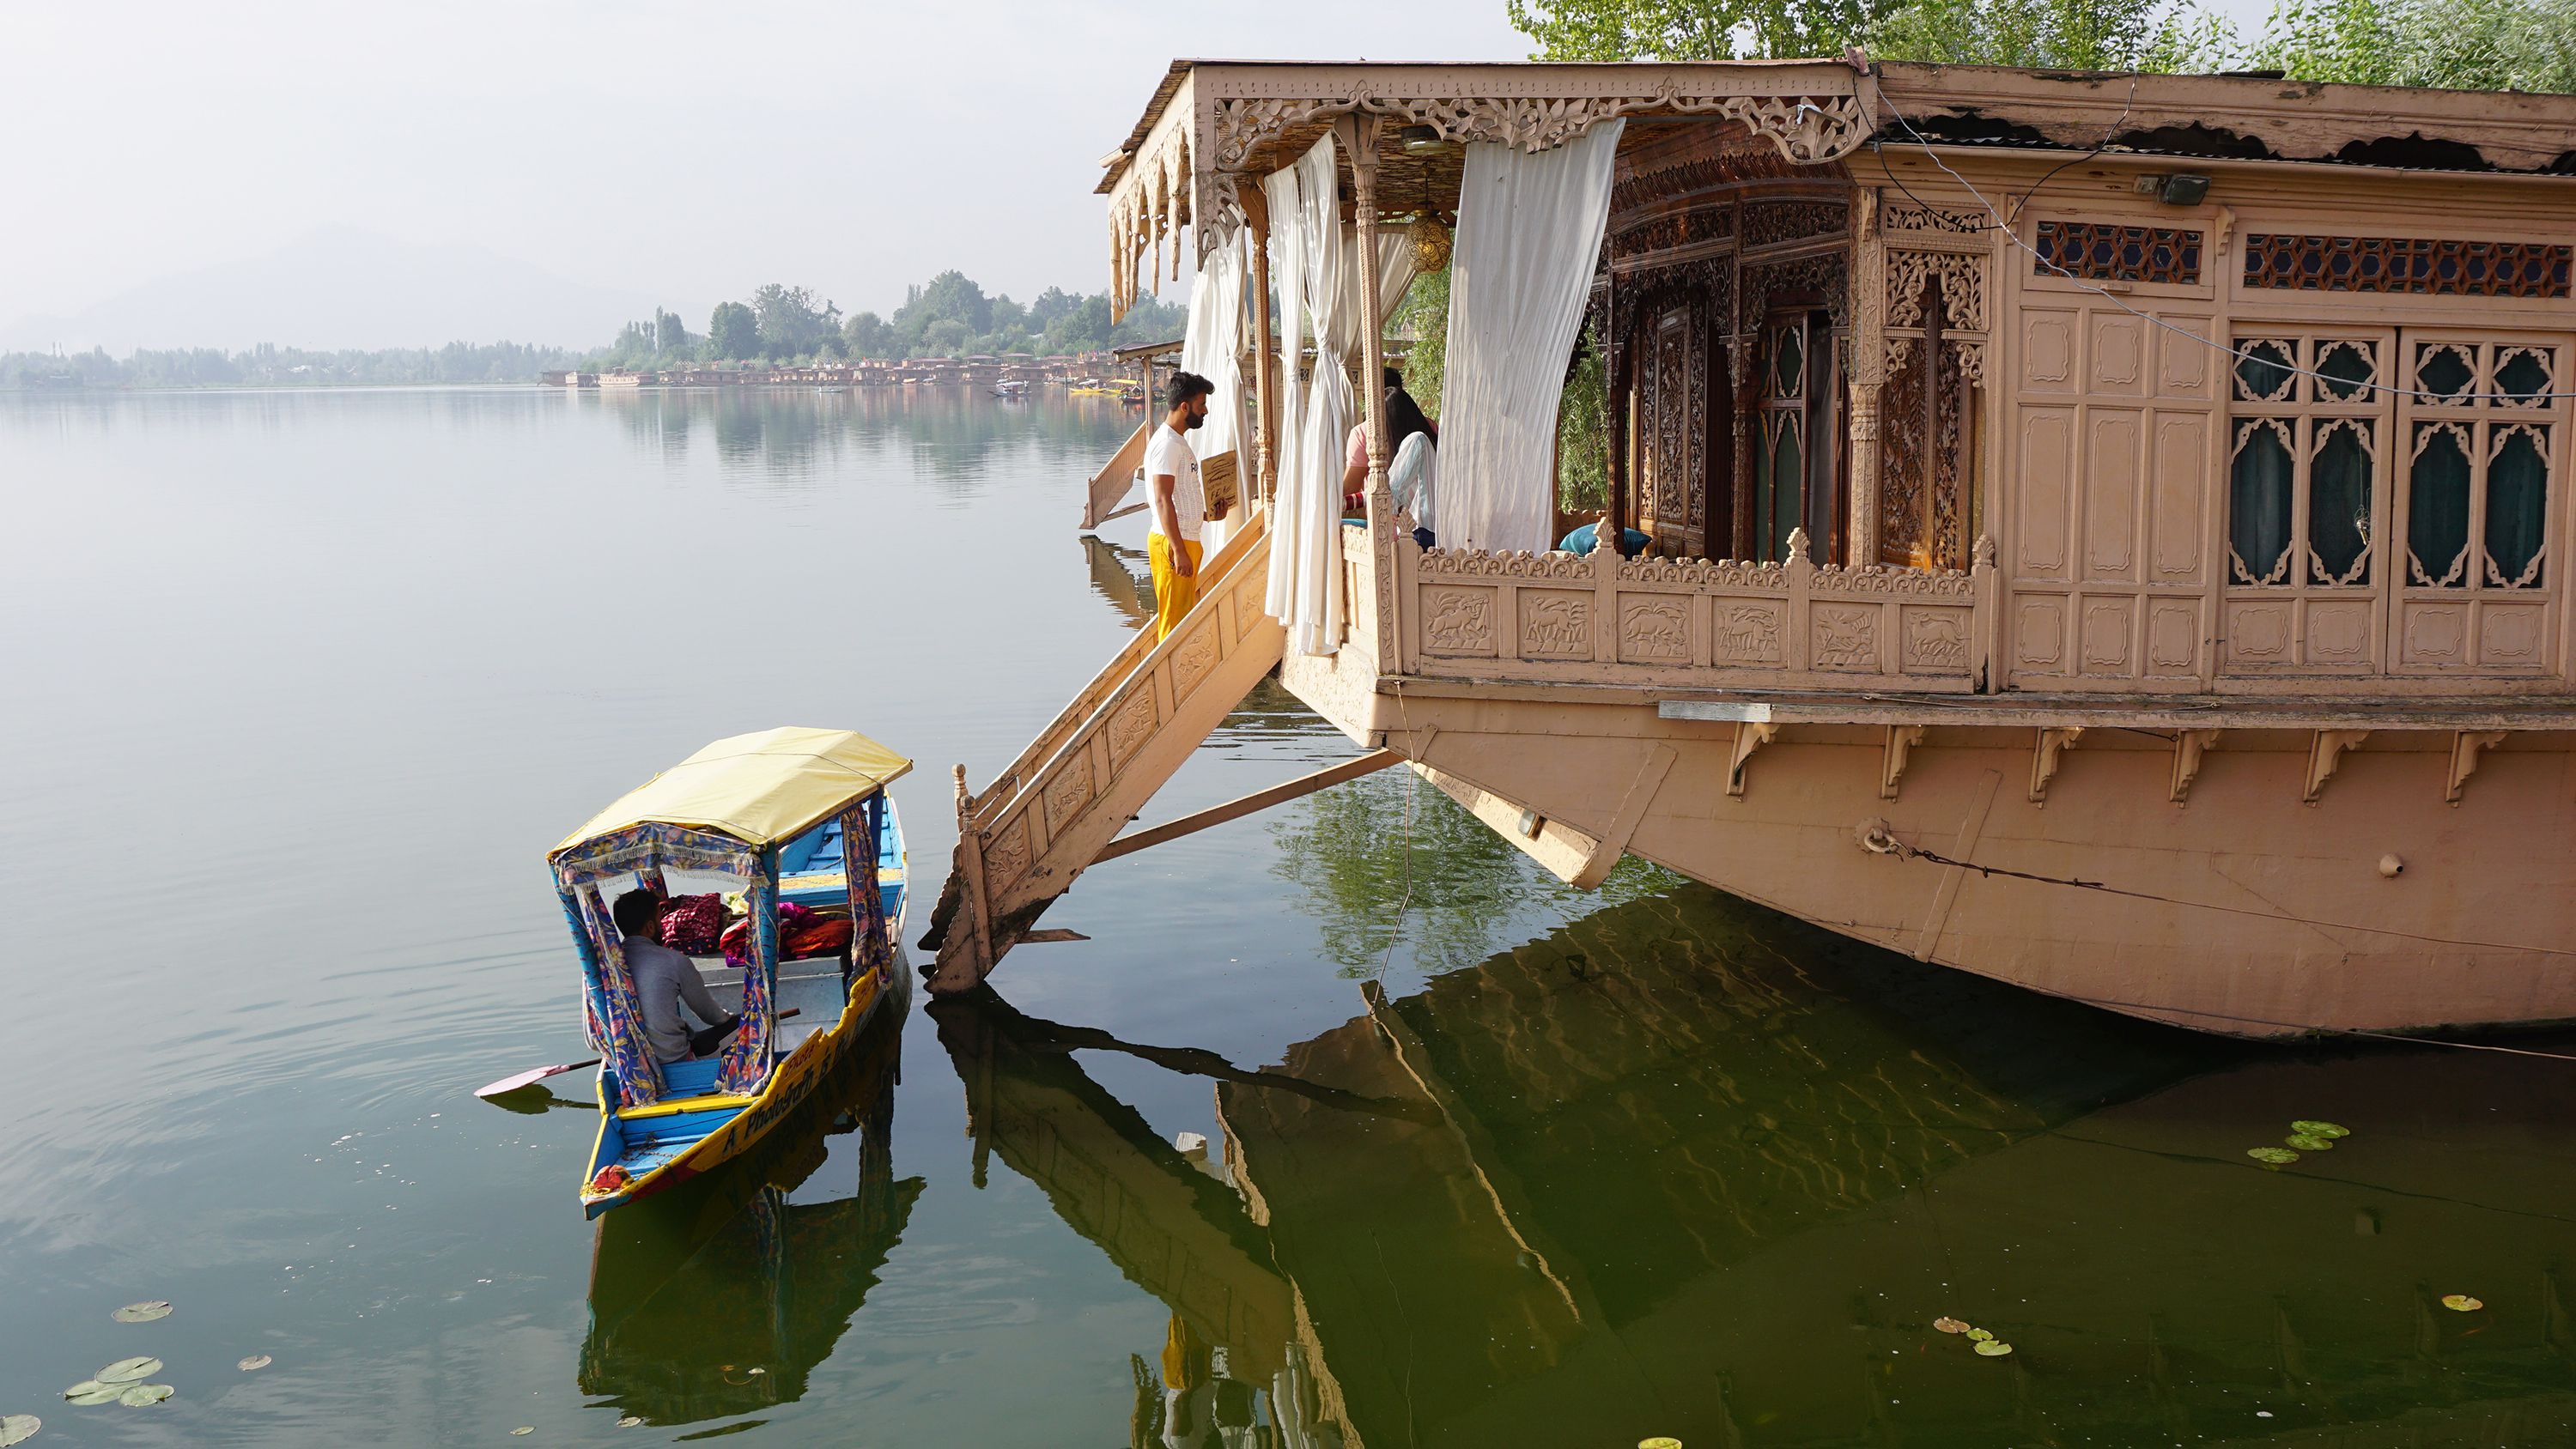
{"x": 2461, "y": 44}
{"x": 733, "y": 333}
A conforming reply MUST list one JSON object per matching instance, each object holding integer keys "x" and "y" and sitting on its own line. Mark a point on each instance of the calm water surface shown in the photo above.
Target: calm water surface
{"x": 300, "y": 686}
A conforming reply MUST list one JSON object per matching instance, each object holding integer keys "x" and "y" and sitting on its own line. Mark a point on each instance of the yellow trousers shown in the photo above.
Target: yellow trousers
{"x": 1173, "y": 594}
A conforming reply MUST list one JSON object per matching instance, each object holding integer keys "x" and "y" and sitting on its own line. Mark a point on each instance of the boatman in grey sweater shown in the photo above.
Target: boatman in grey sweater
{"x": 664, "y": 981}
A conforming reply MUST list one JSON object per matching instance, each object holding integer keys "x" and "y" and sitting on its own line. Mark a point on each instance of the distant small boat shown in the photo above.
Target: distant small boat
{"x": 791, "y": 817}
{"x": 831, "y": 389}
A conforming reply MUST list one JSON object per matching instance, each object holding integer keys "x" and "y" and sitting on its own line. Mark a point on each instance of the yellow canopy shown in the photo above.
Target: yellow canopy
{"x": 761, "y": 789}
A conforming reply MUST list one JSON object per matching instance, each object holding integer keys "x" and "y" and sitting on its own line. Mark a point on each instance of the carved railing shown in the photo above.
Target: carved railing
{"x": 1600, "y": 619}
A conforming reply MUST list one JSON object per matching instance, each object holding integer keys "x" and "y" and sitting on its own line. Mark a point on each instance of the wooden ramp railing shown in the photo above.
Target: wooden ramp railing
{"x": 1108, "y": 487}
{"x": 1023, "y": 840}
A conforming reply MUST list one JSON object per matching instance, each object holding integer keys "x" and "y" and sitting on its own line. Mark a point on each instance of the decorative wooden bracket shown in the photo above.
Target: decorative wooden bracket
{"x": 2464, "y": 757}
{"x": 2325, "y": 753}
{"x": 2051, "y": 747}
{"x": 1749, "y": 736}
{"x": 2189, "y": 746}
{"x": 1900, "y": 740}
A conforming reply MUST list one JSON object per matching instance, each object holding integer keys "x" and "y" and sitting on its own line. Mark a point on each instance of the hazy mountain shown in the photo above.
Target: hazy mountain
{"x": 341, "y": 287}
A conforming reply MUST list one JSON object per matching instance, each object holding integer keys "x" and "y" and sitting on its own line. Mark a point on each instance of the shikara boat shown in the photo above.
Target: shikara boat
{"x": 783, "y": 818}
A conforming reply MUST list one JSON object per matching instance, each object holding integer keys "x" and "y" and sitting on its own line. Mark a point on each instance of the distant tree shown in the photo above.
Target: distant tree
{"x": 669, "y": 334}
{"x": 2086, "y": 34}
{"x": 946, "y": 337}
{"x": 1052, "y": 303}
{"x": 733, "y": 332}
{"x": 791, "y": 323}
{"x": 1084, "y": 329}
{"x": 867, "y": 335}
{"x": 2485, "y": 45}
{"x": 949, "y": 297}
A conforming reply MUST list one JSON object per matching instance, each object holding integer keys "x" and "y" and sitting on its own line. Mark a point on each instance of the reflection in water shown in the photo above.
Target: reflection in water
{"x": 949, "y": 433}
{"x": 720, "y": 1296}
{"x": 1123, "y": 577}
{"x": 1685, "y": 1167}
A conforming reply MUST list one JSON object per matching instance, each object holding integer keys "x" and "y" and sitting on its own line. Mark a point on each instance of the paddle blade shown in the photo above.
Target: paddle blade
{"x": 530, "y": 1078}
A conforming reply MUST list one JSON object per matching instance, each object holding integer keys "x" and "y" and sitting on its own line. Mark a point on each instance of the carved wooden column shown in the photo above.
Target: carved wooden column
{"x": 1265, "y": 351}
{"x": 1359, "y": 134}
{"x": 1868, "y": 374}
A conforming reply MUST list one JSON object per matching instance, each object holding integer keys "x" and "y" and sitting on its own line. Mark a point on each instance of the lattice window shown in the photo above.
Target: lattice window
{"x": 2101, "y": 251}
{"x": 1780, "y": 439}
{"x": 2305, "y": 458}
{"x": 2423, "y": 265}
{"x": 2479, "y": 463}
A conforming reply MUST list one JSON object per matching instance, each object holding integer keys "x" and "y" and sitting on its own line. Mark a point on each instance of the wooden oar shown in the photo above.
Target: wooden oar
{"x": 534, "y": 1075}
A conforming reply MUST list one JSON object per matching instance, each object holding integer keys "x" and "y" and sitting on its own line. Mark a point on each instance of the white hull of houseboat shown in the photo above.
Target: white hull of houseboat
{"x": 2243, "y": 908}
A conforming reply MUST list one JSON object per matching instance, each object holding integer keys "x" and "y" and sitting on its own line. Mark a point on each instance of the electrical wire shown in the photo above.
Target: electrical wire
{"x": 2000, "y": 224}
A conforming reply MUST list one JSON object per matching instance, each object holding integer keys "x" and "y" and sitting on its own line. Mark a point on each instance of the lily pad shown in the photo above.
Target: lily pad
{"x": 1979, "y": 1335}
{"x": 2274, "y": 1155}
{"x": 1949, "y": 1325}
{"x": 632, "y": 1420}
{"x": 18, "y": 1428}
{"x": 85, "y": 1386}
{"x": 1992, "y": 1349}
{"x": 142, "y": 1312}
{"x": 2306, "y": 1143}
{"x": 101, "y": 1394}
{"x": 2461, "y": 1303}
{"x": 523, "y": 1429}
{"x": 129, "y": 1371}
{"x": 142, "y": 1394}
{"x": 1660, "y": 1441}
{"x": 254, "y": 1363}
{"x": 2310, "y": 1127}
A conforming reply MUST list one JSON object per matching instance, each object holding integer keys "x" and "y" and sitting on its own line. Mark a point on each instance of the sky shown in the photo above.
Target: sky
{"x": 686, "y": 152}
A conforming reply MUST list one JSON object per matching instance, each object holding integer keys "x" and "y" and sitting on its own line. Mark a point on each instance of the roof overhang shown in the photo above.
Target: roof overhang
{"x": 1213, "y": 124}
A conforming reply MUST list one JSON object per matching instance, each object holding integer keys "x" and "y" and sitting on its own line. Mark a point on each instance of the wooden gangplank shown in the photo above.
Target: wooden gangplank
{"x": 1024, "y": 839}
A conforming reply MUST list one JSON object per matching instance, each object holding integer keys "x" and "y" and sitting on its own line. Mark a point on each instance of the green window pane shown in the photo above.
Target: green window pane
{"x": 2343, "y": 370}
{"x": 2437, "y": 506}
{"x": 2339, "y": 507}
{"x": 1788, "y": 467}
{"x": 1789, "y": 363}
{"x": 2522, "y": 375}
{"x": 2263, "y": 371}
{"x": 2443, "y": 371}
{"x": 2517, "y": 501}
{"x": 2258, "y": 506}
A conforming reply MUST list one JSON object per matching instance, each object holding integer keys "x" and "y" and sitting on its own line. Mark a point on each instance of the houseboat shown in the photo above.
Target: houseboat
{"x": 2101, "y": 531}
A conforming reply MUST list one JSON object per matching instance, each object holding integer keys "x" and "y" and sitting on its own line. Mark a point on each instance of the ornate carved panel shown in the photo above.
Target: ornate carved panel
{"x": 1193, "y": 661}
{"x": 1823, "y": 276}
{"x": 1654, "y": 629}
{"x": 1906, "y": 216}
{"x": 2420, "y": 265}
{"x": 1746, "y": 633}
{"x": 1555, "y": 624}
{"x": 1962, "y": 276}
{"x": 1771, "y": 223}
{"x": 1130, "y": 727}
{"x": 1458, "y": 620}
{"x": 1068, "y": 792}
{"x": 1845, "y": 636}
{"x": 1807, "y": 129}
{"x": 1935, "y": 639}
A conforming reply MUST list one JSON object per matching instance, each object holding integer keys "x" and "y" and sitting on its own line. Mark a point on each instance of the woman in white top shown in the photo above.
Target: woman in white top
{"x": 1412, "y": 474}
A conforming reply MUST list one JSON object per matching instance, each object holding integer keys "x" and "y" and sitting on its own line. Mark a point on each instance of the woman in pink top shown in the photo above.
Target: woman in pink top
{"x": 1355, "y": 452}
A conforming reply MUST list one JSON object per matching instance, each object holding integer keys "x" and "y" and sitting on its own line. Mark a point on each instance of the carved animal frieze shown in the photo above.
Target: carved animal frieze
{"x": 1654, "y": 629}
{"x": 1555, "y": 624}
{"x": 1936, "y": 639}
{"x": 1746, "y": 634}
{"x": 1458, "y": 621}
{"x": 1845, "y": 637}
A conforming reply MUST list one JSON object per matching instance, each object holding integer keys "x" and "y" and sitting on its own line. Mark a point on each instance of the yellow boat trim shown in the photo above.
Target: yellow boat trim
{"x": 713, "y": 1101}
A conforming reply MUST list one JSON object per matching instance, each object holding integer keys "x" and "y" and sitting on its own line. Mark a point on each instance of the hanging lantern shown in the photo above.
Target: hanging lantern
{"x": 1430, "y": 243}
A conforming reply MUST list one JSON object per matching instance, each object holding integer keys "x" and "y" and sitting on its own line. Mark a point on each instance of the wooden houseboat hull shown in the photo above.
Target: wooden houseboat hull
{"x": 2259, "y": 883}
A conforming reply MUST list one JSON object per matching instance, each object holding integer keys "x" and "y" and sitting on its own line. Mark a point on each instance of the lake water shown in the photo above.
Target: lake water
{"x": 300, "y": 687}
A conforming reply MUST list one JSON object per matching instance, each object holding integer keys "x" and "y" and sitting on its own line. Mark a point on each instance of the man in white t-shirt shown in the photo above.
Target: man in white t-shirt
{"x": 1178, "y": 501}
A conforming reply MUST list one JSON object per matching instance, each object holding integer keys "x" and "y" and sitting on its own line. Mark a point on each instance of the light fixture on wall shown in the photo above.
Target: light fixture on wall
{"x": 1422, "y": 141}
{"x": 1430, "y": 237}
{"x": 2180, "y": 188}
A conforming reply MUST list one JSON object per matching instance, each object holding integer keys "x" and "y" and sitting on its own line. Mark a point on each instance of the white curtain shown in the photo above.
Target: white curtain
{"x": 1528, "y": 238}
{"x": 1211, "y": 346}
{"x": 1306, "y": 546}
{"x": 1288, "y": 276}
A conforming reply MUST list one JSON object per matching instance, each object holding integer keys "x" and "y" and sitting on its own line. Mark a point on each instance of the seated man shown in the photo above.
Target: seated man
{"x": 664, "y": 980}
